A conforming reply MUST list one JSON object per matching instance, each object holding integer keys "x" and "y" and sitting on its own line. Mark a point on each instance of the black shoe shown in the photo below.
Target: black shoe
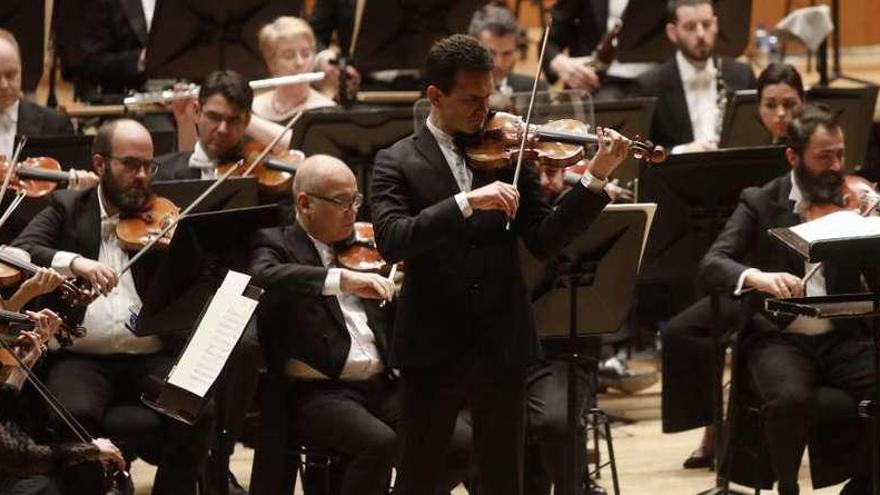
{"x": 698, "y": 461}
{"x": 234, "y": 487}
{"x": 614, "y": 373}
{"x": 858, "y": 485}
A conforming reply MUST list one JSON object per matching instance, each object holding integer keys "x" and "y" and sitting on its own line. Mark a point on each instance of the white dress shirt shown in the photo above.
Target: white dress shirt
{"x": 815, "y": 285}
{"x": 701, "y": 93}
{"x": 363, "y": 360}
{"x": 199, "y": 160}
{"x": 149, "y": 9}
{"x": 463, "y": 175}
{"x": 106, "y": 318}
{"x": 8, "y": 129}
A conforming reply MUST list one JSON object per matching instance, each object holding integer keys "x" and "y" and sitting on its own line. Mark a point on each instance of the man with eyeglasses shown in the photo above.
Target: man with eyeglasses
{"x": 75, "y": 234}
{"x": 323, "y": 330}
{"x": 222, "y": 114}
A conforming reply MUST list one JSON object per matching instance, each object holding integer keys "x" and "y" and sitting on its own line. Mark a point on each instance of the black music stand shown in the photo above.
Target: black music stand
{"x": 204, "y": 246}
{"x": 859, "y": 250}
{"x": 643, "y": 38}
{"x": 70, "y": 151}
{"x": 25, "y": 19}
{"x": 742, "y": 126}
{"x": 191, "y": 38}
{"x": 353, "y": 135}
{"x": 822, "y": 55}
{"x": 234, "y": 192}
{"x": 594, "y": 278}
{"x": 696, "y": 193}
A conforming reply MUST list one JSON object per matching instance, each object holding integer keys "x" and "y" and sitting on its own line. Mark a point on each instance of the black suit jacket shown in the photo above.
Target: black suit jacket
{"x": 333, "y": 16}
{"x": 115, "y": 36}
{"x": 672, "y": 123}
{"x": 175, "y": 166}
{"x": 295, "y": 320}
{"x": 463, "y": 297}
{"x": 745, "y": 243}
{"x": 37, "y": 121}
{"x": 72, "y": 222}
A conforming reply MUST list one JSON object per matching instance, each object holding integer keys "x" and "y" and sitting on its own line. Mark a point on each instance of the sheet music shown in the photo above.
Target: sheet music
{"x": 216, "y": 336}
{"x": 648, "y": 208}
{"x": 843, "y": 224}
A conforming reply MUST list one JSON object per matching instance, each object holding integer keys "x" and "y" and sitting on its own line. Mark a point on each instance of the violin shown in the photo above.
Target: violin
{"x": 359, "y": 251}
{"x": 558, "y": 143}
{"x": 274, "y": 172}
{"x": 35, "y": 177}
{"x": 856, "y": 193}
{"x": 15, "y": 266}
{"x": 13, "y": 323}
{"x": 138, "y": 230}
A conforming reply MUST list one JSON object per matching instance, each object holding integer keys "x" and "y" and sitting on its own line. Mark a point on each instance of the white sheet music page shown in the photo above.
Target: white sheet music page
{"x": 845, "y": 224}
{"x": 215, "y": 337}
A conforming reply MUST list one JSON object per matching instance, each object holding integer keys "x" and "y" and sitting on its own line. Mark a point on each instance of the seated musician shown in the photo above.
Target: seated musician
{"x": 687, "y": 375}
{"x": 788, "y": 359}
{"x": 20, "y": 117}
{"x": 76, "y": 235}
{"x": 689, "y": 86}
{"x": 26, "y": 466}
{"x": 323, "y": 328}
{"x": 222, "y": 114}
{"x": 577, "y": 29}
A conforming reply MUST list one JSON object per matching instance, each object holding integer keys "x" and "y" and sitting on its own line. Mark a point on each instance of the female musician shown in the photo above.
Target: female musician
{"x": 780, "y": 95}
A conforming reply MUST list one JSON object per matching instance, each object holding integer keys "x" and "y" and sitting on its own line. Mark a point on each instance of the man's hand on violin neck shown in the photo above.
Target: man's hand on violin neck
{"x": 777, "y": 284}
{"x": 102, "y": 278}
{"x": 613, "y": 150}
{"x": 366, "y": 285}
{"x": 574, "y": 72}
{"x": 495, "y": 196}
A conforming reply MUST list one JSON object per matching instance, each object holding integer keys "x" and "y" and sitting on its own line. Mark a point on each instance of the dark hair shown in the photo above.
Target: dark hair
{"x": 231, "y": 85}
{"x": 804, "y": 125}
{"x": 779, "y": 73}
{"x": 673, "y": 5}
{"x": 452, "y": 54}
{"x": 499, "y": 21}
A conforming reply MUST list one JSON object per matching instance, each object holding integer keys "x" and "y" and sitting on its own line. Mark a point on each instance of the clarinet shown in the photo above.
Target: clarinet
{"x": 720, "y": 100}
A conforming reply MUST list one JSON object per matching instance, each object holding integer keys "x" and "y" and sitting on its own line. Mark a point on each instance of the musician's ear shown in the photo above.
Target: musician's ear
{"x": 792, "y": 157}
{"x": 433, "y": 93}
{"x": 670, "y": 33}
{"x": 99, "y": 163}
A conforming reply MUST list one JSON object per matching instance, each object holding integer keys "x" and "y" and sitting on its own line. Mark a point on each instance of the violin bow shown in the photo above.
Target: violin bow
{"x": 525, "y": 132}
{"x": 11, "y": 165}
{"x": 207, "y": 192}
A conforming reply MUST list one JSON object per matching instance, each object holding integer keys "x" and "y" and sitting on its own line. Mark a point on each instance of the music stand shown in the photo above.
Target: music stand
{"x": 235, "y": 192}
{"x": 742, "y": 125}
{"x": 353, "y": 135}
{"x": 643, "y": 38}
{"x": 25, "y": 19}
{"x": 204, "y": 246}
{"x": 593, "y": 277}
{"x": 192, "y": 38}
{"x": 70, "y": 151}
{"x": 696, "y": 193}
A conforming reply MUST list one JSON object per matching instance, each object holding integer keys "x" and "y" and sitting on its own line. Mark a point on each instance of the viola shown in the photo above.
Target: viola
{"x": 274, "y": 172}
{"x": 136, "y": 231}
{"x": 13, "y": 323}
{"x": 15, "y": 266}
{"x": 856, "y": 193}
{"x": 35, "y": 177}
{"x": 359, "y": 251}
{"x": 558, "y": 143}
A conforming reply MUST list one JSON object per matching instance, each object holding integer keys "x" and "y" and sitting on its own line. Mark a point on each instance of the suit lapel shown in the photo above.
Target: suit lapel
{"x": 785, "y": 217}
{"x": 28, "y": 120}
{"x": 305, "y": 252}
{"x": 428, "y": 147}
{"x": 134, "y": 12}
{"x": 88, "y": 226}
{"x": 678, "y": 108}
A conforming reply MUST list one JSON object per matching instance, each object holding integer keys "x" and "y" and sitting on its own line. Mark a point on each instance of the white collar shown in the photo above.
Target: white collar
{"x": 200, "y": 159}
{"x": 689, "y": 71}
{"x": 442, "y": 138}
{"x": 11, "y": 112}
{"x": 800, "y": 205}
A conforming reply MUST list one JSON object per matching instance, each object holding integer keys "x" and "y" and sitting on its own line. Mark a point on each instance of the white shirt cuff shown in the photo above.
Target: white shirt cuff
{"x": 61, "y": 262}
{"x": 677, "y": 149}
{"x": 464, "y": 205}
{"x": 333, "y": 283}
{"x": 593, "y": 183}
{"x": 742, "y": 280}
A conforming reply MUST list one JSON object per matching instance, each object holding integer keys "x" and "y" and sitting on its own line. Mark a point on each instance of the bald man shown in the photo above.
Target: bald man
{"x": 75, "y": 234}
{"x": 322, "y": 328}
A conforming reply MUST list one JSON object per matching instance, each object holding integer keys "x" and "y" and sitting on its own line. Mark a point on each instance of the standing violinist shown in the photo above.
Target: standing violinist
{"x": 75, "y": 234}
{"x": 788, "y": 359}
{"x": 464, "y": 330}
{"x": 323, "y": 331}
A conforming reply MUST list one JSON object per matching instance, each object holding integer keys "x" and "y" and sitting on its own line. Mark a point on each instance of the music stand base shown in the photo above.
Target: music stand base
{"x": 718, "y": 490}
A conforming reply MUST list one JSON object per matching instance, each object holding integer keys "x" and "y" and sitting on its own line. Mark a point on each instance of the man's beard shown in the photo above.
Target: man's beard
{"x": 822, "y": 188}
{"x": 700, "y": 53}
{"x": 129, "y": 200}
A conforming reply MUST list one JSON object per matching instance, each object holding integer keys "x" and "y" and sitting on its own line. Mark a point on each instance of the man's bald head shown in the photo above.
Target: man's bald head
{"x": 318, "y": 173}
{"x": 10, "y": 70}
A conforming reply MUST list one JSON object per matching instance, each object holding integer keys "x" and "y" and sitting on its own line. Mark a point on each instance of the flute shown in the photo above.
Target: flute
{"x": 192, "y": 91}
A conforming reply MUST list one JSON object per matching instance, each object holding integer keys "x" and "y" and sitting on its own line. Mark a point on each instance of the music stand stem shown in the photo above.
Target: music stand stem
{"x": 822, "y": 56}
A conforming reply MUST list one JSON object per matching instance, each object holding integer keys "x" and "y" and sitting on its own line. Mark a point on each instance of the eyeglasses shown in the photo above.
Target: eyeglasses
{"x": 217, "y": 118}
{"x": 351, "y": 204}
{"x": 134, "y": 165}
